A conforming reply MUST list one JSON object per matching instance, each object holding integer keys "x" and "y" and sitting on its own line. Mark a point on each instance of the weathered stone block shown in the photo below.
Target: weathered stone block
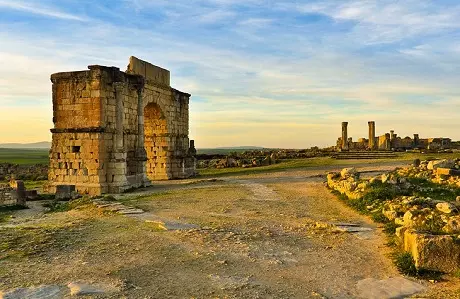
{"x": 64, "y": 192}
{"x": 433, "y": 252}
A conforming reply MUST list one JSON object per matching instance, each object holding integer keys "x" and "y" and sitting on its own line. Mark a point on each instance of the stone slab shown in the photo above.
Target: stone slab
{"x": 40, "y": 292}
{"x": 396, "y": 287}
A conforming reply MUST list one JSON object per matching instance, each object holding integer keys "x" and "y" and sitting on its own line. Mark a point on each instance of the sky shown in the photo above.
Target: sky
{"x": 261, "y": 73}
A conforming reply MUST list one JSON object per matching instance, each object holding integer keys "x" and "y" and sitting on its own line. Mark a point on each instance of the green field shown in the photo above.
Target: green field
{"x": 24, "y": 156}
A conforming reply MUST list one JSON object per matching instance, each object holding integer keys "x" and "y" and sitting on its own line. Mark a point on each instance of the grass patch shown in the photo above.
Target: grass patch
{"x": 22, "y": 242}
{"x": 34, "y": 184}
{"x": 24, "y": 156}
{"x": 405, "y": 263}
{"x": 426, "y": 188}
{"x": 390, "y": 227}
{"x": 5, "y": 211}
{"x": 58, "y": 206}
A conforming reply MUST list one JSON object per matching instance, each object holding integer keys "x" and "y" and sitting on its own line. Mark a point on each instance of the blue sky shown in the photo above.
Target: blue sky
{"x": 268, "y": 73}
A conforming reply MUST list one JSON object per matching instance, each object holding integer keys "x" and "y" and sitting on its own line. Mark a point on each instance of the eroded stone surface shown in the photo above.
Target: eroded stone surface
{"x": 82, "y": 289}
{"x": 397, "y": 287}
{"x": 260, "y": 191}
{"x": 40, "y": 292}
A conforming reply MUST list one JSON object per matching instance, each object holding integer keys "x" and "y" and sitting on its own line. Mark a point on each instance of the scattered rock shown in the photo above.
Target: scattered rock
{"x": 445, "y": 207}
{"x": 390, "y": 214}
{"x": 453, "y": 225}
{"x": 435, "y": 164}
{"x": 349, "y": 172}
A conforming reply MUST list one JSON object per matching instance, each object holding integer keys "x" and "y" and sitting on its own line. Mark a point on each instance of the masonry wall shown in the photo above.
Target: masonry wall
{"x": 166, "y": 116}
{"x": 6, "y": 195}
{"x": 115, "y": 130}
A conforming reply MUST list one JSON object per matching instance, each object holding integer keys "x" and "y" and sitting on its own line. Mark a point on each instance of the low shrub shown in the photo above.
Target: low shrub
{"x": 405, "y": 263}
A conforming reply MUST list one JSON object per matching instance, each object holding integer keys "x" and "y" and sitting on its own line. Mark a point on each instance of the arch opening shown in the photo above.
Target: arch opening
{"x": 155, "y": 142}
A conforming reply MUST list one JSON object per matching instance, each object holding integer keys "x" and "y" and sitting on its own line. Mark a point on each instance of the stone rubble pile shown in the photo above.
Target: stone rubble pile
{"x": 38, "y": 172}
{"x": 446, "y": 172}
{"x": 230, "y": 162}
{"x": 255, "y": 158}
{"x": 427, "y": 228}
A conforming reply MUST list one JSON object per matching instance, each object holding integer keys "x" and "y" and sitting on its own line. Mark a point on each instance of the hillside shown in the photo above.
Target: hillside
{"x": 35, "y": 145}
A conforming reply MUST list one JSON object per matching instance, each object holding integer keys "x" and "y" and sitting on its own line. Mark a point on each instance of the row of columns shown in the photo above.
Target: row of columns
{"x": 371, "y": 145}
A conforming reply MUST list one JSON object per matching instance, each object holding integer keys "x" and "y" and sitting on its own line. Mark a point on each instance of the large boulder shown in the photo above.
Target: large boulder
{"x": 435, "y": 164}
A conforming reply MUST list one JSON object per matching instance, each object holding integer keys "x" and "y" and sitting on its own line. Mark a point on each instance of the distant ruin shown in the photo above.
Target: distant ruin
{"x": 389, "y": 141}
{"x": 117, "y": 130}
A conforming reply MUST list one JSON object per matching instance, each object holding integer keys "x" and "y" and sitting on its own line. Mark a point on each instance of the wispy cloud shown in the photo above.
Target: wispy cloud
{"x": 39, "y": 10}
{"x": 389, "y": 21}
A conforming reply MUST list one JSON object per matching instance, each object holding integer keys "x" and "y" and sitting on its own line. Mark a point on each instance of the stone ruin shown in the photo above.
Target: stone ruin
{"x": 117, "y": 130}
{"x": 389, "y": 141}
{"x": 14, "y": 193}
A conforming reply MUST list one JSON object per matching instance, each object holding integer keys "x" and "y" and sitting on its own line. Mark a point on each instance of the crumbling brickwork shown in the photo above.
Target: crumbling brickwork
{"x": 13, "y": 193}
{"x": 6, "y": 195}
{"x": 117, "y": 130}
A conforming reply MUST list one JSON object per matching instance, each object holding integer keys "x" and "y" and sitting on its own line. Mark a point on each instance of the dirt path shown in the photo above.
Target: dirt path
{"x": 260, "y": 236}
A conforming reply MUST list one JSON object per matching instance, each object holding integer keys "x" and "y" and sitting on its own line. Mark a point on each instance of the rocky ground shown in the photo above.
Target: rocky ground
{"x": 274, "y": 235}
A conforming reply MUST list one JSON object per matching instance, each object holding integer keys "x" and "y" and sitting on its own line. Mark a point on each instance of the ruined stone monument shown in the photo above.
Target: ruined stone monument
{"x": 391, "y": 141}
{"x": 371, "y": 135}
{"x": 344, "y": 136}
{"x": 117, "y": 130}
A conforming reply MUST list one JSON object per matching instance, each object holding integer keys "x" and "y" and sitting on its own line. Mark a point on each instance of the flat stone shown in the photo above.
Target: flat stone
{"x": 352, "y": 229}
{"x": 345, "y": 224}
{"x": 396, "y": 287}
{"x": 130, "y": 211}
{"x": 108, "y": 205}
{"x": 82, "y": 289}
{"x": 40, "y": 292}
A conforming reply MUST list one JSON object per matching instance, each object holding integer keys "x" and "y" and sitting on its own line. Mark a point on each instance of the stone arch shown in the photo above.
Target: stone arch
{"x": 156, "y": 142}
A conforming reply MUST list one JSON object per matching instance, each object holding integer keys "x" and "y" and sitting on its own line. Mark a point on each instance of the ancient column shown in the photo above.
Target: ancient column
{"x": 141, "y": 154}
{"x": 118, "y": 145}
{"x": 387, "y": 142}
{"x": 371, "y": 135}
{"x": 392, "y": 139}
{"x": 344, "y": 135}
{"x": 140, "y": 119}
